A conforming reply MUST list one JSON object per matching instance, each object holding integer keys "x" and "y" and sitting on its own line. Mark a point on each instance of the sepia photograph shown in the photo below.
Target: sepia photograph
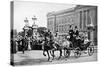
{"x": 45, "y": 33}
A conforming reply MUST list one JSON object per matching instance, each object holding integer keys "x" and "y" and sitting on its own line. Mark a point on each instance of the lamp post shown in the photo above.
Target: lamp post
{"x": 34, "y": 19}
{"x": 90, "y": 27}
{"x": 26, "y": 26}
{"x": 26, "y": 22}
{"x": 34, "y": 26}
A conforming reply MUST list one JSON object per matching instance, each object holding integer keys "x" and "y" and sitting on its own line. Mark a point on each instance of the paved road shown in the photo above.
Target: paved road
{"x": 36, "y": 58}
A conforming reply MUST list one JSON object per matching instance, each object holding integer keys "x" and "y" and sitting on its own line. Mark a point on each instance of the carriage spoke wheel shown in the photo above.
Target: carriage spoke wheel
{"x": 66, "y": 53}
{"x": 77, "y": 53}
{"x": 90, "y": 50}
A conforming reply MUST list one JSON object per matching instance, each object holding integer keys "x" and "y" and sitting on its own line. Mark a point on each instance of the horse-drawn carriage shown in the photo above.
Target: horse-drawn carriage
{"x": 78, "y": 46}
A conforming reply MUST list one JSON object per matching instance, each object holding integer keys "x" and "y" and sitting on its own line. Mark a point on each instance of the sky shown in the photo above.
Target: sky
{"x": 29, "y": 9}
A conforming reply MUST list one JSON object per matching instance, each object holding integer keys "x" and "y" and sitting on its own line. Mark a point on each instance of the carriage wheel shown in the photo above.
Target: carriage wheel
{"x": 77, "y": 53}
{"x": 66, "y": 53}
{"x": 91, "y": 49}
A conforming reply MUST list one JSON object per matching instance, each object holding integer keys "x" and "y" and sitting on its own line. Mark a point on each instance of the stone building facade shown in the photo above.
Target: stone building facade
{"x": 79, "y": 16}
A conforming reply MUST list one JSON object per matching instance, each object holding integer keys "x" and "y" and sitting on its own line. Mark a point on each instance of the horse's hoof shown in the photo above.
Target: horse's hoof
{"x": 53, "y": 58}
{"x": 49, "y": 60}
{"x": 53, "y": 55}
{"x": 44, "y": 54}
{"x": 23, "y": 52}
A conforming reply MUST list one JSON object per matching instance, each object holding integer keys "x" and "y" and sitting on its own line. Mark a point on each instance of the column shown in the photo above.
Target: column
{"x": 80, "y": 19}
{"x": 84, "y": 24}
{"x": 86, "y": 18}
{"x": 55, "y": 24}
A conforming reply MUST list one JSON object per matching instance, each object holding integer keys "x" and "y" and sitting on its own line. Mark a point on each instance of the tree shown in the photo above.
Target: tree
{"x": 40, "y": 30}
{"x": 22, "y": 33}
{"x": 30, "y": 32}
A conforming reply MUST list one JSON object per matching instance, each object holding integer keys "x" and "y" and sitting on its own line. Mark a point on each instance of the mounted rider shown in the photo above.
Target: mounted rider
{"x": 76, "y": 32}
{"x": 46, "y": 35}
{"x": 47, "y": 42}
{"x": 76, "y": 37}
{"x": 71, "y": 32}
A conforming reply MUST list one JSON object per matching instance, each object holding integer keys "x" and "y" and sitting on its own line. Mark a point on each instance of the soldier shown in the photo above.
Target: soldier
{"x": 51, "y": 42}
{"x": 71, "y": 32}
{"x": 45, "y": 41}
{"x": 76, "y": 32}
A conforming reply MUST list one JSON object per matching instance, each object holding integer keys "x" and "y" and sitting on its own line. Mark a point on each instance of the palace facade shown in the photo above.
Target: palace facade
{"x": 80, "y": 16}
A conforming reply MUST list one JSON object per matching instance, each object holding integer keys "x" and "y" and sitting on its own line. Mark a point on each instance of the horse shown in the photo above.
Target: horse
{"x": 46, "y": 48}
{"x": 24, "y": 44}
{"x": 64, "y": 45}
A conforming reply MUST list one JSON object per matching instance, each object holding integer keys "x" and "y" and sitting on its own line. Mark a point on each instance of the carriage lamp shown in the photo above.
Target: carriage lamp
{"x": 90, "y": 27}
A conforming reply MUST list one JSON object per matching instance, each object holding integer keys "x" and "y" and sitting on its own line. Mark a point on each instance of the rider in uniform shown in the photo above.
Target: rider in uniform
{"x": 76, "y": 32}
{"x": 76, "y": 35}
{"x": 71, "y": 32}
{"x": 45, "y": 35}
{"x": 50, "y": 40}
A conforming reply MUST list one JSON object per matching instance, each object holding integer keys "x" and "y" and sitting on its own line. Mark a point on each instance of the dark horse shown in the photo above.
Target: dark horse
{"x": 46, "y": 48}
{"x": 50, "y": 47}
{"x": 61, "y": 46}
{"x": 23, "y": 44}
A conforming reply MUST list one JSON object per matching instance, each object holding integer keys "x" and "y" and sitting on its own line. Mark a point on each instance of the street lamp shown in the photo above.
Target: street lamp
{"x": 34, "y": 19}
{"x": 34, "y": 26}
{"x": 26, "y": 22}
{"x": 90, "y": 27}
{"x": 26, "y": 26}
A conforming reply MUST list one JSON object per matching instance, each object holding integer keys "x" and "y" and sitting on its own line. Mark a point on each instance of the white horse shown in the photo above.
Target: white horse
{"x": 61, "y": 45}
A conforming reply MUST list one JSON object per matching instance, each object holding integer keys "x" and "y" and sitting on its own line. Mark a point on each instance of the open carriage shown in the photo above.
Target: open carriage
{"x": 89, "y": 47}
{"x": 78, "y": 47}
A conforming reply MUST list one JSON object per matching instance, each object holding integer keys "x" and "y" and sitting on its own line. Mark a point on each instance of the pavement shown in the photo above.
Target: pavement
{"x": 35, "y": 57}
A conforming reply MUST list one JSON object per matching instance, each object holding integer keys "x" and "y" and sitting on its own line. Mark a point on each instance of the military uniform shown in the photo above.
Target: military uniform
{"x": 71, "y": 32}
{"x": 76, "y": 32}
